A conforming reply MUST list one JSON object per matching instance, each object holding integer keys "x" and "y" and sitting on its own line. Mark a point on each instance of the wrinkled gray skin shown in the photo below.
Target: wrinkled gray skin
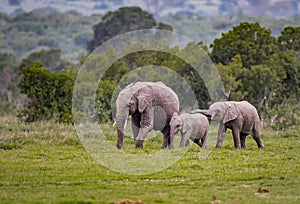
{"x": 241, "y": 117}
{"x": 191, "y": 126}
{"x": 151, "y": 106}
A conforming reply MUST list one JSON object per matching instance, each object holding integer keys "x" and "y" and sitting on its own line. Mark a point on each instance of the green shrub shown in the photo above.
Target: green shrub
{"x": 49, "y": 94}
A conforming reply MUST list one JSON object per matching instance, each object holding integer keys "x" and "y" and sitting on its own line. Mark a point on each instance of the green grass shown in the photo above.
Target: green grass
{"x": 46, "y": 163}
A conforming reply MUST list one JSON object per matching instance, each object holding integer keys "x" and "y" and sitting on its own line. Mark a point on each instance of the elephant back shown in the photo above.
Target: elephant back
{"x": 247, "y": 110}
{"x": 131, "y": 89}
{"x": 170, "y": 98}
{"x": 250, "y": 116}
{"x": 198, "y": 118}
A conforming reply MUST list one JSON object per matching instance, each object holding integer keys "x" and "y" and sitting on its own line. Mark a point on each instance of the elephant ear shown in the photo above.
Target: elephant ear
{"x": 173, "y": 118}
{"x": 231, "y": 112}
{"x": 184, "y": 128}
{"x": 144, "y": 101}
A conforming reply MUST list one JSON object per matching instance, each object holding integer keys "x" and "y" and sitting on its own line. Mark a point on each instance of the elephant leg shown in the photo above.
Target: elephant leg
{"x": 197, "y": 141}
{"x": 243, "y": 140}
{"x": 120, "y": 139}
{"x": 203, "y": 140}
{"x": 257, "y": 139}
{"x": 184, "y": 139}
{"x": 187, "y": 143}
{"x": 167, "y": 140}
{"x": 170, "y": 140}
{"x": 221, "y": 135}
{"x": 236, "y": 137}
{"x": 139, "y": 141}
{"x": 135, "y": 125}
{"x": 146, "y": 126}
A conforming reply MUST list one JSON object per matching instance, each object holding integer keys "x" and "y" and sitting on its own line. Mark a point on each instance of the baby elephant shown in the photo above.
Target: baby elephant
{"x": 191, "y": 126}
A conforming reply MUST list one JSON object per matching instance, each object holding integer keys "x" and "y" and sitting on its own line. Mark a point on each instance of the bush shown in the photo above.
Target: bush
{"x": 49, "y": 94}
{"x": 281, "y": 116}
{"x": 285, "y": 117}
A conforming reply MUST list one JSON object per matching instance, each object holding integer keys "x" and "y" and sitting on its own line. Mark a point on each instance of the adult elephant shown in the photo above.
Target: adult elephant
{"x": 151, "y": 106}
{"x": 241, "y": 117}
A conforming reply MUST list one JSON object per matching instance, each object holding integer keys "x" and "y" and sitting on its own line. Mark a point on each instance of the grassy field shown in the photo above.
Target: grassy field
{"x": 46, "y": 163}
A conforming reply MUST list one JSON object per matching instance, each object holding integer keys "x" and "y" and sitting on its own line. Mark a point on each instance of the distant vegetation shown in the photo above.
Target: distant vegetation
{"x": 121, "y": 21}
{"x": 254, "y": 64}
{"x": 28, "y": 32}
{"x": 33, "y": 31}
{"x": 207, "y": 29}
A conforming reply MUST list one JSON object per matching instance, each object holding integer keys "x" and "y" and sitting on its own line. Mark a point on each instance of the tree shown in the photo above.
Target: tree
{"x": 103, "y": 100}
{"x": 251, "y": 41}
{"x": 66, "y": 80}
{"x": 49, "y": 94}
{"x": 231, "y": 79}
{"x": 290, "y": 39}
{"x": 260, "y": 82}
{"x": 49, "y": 58}
{"x": 39, "y": 84}
{"x": 10, "y": 97}
{"x": 290, "y": 65}
{"x": 121, "y": 21}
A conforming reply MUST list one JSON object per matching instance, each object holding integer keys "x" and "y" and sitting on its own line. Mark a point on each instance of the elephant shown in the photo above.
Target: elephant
{"x": 191, "y": 126}
{"x": 241, "y": 117}
{"x": 151, "y": 106}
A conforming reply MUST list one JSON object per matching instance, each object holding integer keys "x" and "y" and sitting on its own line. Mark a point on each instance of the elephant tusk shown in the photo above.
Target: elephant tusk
{"x": 125, "y": 124}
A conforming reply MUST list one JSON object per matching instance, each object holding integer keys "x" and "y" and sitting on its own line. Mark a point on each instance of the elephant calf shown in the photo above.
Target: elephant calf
{"x": 191, "y": 126}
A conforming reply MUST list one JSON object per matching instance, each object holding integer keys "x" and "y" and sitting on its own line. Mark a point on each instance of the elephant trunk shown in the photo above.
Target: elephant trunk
{"x": 207, "y": 113}
{"x": 121, "y": 119}
{"x": 172, "y": 134}
{"x": 174, "y": 129}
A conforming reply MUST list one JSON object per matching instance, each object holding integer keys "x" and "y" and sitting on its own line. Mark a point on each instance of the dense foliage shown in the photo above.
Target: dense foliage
{"x": 254, "y": 65}
{"x": 253, "y": 42}
{"x": 121, "y": 21}
{"x": 49, "y": 94}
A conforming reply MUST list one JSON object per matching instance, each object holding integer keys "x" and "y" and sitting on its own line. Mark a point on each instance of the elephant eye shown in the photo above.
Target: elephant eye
{"x": 178, "y": 125}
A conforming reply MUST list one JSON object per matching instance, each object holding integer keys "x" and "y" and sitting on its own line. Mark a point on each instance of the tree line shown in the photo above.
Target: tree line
{"x": 253, "y": 65}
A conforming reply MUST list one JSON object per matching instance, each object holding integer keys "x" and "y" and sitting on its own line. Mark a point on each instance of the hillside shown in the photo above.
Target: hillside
{"x": 270, "y": 8}
{"x": 207, "y": 29}
{"x": 30, "y": 32}
{"x": 25, "y": 33}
